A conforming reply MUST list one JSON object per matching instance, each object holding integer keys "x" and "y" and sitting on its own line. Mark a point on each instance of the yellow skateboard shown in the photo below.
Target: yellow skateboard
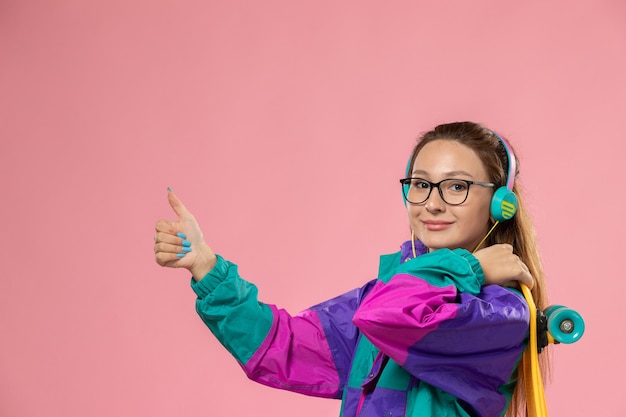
{"x": 557, "y": 324}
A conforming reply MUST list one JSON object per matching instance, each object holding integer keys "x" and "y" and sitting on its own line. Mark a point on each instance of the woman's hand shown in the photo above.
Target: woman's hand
{"x": 502, "y": 267}
{"x": 180, "y": 244}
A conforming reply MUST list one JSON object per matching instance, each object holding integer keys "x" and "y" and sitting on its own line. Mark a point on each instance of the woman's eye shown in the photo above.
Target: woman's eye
{"x": 421, "y": 184}
{"x": 457, "y": 186}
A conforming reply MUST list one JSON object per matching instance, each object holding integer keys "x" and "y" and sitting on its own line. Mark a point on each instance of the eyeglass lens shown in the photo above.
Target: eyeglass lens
{"x": 451, "y": 191}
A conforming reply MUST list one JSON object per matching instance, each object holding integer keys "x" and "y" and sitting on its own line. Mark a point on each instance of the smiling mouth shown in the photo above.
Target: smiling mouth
{"x": 436, "y": 226}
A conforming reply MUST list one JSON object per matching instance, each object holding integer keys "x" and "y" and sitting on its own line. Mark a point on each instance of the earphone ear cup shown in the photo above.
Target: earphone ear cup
{"x": 503, "y": 204}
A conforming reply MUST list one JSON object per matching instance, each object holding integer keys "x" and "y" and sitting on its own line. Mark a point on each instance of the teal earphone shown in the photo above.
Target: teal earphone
{"x": 504, "y": 200}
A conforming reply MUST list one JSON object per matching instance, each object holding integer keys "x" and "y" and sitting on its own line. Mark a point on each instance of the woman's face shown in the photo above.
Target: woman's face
{"x": 437, "y": 224}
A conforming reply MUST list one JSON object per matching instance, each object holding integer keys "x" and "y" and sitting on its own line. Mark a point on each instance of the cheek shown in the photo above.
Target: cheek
{"x": 482, "y": 216}
{"x": 413, "y": 211}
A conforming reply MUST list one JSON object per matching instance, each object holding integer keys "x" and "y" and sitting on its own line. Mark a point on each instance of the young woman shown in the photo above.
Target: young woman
{"x": 442, "y": 329}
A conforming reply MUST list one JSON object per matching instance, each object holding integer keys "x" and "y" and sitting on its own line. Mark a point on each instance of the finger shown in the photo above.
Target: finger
{"x": 177, "y": 205}
{"x": 166, "y": 259}
{"x": 506, "y": 247}
{"x": 165, "y": 226}
{"x": 172, "y": 238}
{"x": 171, "y": 248}
{"x": 526, "y": 277}
{"x": 528, "y": 280}
{"x": 168, "y": 248}
{"x": 511, "y": 284}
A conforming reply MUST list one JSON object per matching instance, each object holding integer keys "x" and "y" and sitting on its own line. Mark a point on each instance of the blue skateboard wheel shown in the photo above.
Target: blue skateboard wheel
{"x": 564, "y": 324}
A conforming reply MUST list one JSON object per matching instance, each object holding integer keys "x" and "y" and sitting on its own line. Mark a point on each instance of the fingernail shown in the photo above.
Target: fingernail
{"x": 186, "y": 243}
{"x": 181, "y": 235}
{"x": 180, "y": 255}
{"x": 169, "y": 190}
{"x": 186, "y": 249}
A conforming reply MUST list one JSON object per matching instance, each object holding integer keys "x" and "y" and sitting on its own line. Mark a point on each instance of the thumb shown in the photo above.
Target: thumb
{"x": 177, "y": 205}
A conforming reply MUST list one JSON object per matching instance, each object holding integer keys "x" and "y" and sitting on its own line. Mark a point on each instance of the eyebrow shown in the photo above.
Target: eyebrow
{"x": 447, "y": 174}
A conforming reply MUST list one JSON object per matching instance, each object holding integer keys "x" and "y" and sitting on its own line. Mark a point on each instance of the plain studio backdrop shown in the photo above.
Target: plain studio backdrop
{"x": 284, "y": 126}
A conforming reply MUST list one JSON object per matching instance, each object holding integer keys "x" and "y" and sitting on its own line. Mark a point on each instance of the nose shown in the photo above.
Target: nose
{"x": 434, "y": 202}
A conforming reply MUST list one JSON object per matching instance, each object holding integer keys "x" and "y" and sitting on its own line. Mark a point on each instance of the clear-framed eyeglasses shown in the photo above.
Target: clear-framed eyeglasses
{"x": 451, "y": 190}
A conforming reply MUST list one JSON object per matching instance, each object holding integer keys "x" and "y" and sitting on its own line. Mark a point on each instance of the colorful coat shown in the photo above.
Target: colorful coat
{"x": 427, "y": 338}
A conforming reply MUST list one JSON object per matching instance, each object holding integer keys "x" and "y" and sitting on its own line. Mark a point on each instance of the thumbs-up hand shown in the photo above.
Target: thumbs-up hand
{"x": 180, "y": 243}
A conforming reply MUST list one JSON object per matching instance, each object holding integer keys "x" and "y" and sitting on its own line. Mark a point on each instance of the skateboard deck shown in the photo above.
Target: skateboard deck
{"x": 557, "y": 324}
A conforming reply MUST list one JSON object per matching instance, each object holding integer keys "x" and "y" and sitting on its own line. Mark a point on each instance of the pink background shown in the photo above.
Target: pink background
{"x": 284, "y": 126}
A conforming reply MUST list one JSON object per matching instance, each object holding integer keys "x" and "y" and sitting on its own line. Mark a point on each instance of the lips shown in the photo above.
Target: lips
{"x": 435, "y": 225}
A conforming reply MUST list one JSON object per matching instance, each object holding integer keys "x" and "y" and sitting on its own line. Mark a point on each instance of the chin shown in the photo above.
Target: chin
{"x": 434, "y": 244}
